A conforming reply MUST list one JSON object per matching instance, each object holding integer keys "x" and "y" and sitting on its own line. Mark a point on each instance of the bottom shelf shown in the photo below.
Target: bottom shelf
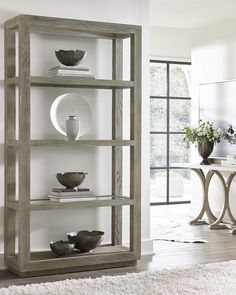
{"x": 47, "y": 262}
{"x": 49, "y": 255}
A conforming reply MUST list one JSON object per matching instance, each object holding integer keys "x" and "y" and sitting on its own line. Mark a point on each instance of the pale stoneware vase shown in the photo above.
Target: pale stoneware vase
{"x": 72, "y": 128}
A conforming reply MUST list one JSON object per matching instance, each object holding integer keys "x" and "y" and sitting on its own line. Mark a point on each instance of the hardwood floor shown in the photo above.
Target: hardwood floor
{"x": 221, "y": 246}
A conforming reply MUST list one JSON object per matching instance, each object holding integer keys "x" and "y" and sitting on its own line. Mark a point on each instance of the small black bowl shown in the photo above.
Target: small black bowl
{"x": 85, "y": 240}
{"x": 70, "y": 57}
{"x": 71, "y": 179}
{"x": 62, "y": 248}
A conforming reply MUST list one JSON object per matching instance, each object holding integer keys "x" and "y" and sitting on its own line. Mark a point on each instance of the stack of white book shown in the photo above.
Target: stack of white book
{"x": 229, "y": 161}
{"x": 62, "y": 196}
{"x": 69, "y": 72}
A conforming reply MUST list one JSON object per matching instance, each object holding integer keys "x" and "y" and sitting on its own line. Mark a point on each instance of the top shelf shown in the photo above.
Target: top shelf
{"x": 74, "y": 82}
{"x": 72, "y": 27}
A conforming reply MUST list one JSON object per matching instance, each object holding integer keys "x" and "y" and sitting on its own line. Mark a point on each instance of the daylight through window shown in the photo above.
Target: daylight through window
{"x": 170, "y": 112}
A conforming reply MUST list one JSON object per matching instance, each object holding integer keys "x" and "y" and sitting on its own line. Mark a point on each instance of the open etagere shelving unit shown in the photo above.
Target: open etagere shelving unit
{"x": 17, "y": 211}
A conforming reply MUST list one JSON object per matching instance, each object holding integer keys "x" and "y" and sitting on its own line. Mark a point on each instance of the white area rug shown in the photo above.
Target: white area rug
{"x": 210, "y": 279}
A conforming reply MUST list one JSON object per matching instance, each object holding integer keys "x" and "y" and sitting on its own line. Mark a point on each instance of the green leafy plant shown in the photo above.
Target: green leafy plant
{"x": 203, "y": 133}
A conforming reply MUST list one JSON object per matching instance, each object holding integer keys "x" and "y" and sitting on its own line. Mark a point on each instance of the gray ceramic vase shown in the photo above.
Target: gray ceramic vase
{"x": 72, "y": 128}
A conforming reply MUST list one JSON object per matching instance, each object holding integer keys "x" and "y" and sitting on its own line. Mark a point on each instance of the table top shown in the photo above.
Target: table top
{"x": 217, "y": 167}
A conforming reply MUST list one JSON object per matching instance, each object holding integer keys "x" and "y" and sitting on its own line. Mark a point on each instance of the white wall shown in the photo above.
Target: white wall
{"x": 213, "y": 59}
{"x": 52, "y": 225}
{"x": 213, "y": 55}
{"x": 170, "y": 43}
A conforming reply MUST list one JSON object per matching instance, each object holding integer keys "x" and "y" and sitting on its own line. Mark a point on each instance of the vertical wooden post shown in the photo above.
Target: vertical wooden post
{"x": 24, "y": 142}
{"x": 135, "y": 152}
{"x": 10, "y": 156}
{"x": 117, "y": 133}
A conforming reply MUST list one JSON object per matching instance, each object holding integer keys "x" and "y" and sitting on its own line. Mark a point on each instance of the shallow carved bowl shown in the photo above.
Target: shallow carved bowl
{"x": 62, "y": 248}
{"x": 71, "y": 179}
{"x": 70, "y": 57}
{"x": 85, "y": 240}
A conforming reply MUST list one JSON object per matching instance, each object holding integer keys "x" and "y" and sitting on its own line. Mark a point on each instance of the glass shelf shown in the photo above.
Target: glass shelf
{"x": 74, "y": 82}
{"x": 62, "y": 142}
{"x": 97, "y": 201}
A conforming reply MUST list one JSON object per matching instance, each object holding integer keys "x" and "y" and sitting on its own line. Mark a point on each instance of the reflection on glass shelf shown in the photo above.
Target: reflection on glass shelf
{"x": 97, "y": 198}
{"x": 179, "y": 188}
{"x": 81, "y": 199}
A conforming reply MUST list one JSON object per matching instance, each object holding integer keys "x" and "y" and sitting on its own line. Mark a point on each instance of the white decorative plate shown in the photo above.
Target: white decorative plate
{"x": 70, "y": 104}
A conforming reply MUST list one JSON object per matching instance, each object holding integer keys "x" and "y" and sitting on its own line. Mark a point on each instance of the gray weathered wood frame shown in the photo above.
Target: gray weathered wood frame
{"x": 10, "y": 154}
{"x": 117, "y": 134}
{"x": 22, "y": 261}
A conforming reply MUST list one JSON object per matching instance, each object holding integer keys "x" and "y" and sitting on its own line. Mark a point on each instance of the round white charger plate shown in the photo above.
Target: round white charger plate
{"x": 70, "y": 104}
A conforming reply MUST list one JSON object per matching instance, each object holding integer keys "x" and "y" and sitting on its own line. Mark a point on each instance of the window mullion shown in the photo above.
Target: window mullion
{"x": 168, "y": 134}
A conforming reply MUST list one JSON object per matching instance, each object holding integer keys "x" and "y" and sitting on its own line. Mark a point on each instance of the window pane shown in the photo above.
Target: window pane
{"x": 158, "y": 76}
{"x": 158, "y": 114}
{"x": 180, "y": 114}
{"x": 178, "y": 153}
{"x": 158, "y": 185}
{"x": 180, "y": 184}
{"x": 180, "y": 80}
{"x": 158, "y": 150}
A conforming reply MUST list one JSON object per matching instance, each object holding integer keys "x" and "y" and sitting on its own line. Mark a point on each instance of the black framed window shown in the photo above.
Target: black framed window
{"x": 170, "y": 112}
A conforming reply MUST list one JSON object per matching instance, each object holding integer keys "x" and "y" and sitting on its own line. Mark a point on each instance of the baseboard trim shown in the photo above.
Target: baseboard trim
{"x": 146, "y": 250}
{"x": 2, "y": 266}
